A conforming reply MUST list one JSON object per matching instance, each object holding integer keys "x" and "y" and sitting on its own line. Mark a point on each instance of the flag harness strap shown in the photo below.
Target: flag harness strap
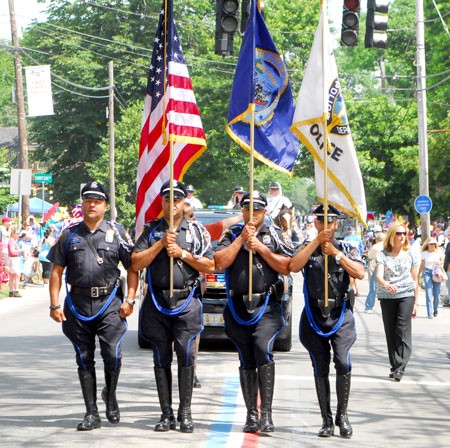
{"x": 257, "y": 317}
{"x": 159, "y": 307}
{"x": 69, "y": 297}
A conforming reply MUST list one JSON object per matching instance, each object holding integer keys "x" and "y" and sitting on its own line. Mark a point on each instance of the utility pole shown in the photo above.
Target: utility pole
{"x": 422, "y": 115}
{"x": 112, "y": 183}
{"x": 23, "y": 141}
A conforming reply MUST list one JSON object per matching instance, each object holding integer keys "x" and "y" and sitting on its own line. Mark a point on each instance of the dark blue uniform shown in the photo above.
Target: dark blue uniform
{"x": 254, "y": 324}
{"x": 93, "y": 285}
{"x": 254, "y": 342}
{"x": 163, "y": 323}
{"x": 323, "y": 328}
{"x": 319, "y": 343}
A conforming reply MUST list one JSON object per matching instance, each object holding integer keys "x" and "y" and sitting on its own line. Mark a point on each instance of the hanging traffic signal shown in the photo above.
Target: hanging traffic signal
{"x": 350, "y": 23}
{"x": 245, "y": 14}
{"x": 376, "y": 23}
{"x": 227, "y": 13}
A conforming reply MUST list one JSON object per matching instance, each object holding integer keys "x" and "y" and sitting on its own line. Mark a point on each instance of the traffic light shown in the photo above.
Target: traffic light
{"x": 245, "y": 14}
{"x": 227, "y": 13}
{"x": 376, "y": 23}
{"x": 350, "y": 23}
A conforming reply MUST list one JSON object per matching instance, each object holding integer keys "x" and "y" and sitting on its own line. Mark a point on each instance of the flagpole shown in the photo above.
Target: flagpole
{"x": 325, "y": 148}
{"x": 164, "y": 136}
{"x": 252, "y": 162}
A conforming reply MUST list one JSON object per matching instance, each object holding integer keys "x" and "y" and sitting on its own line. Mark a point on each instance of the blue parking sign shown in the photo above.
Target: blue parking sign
{"x": 423, "y": 204}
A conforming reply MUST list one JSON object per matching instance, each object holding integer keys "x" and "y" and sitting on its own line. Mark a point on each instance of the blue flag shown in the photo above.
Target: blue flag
{"x": 261, "y": 78}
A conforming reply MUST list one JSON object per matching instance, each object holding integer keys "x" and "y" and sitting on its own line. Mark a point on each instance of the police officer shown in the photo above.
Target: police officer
{"x": 164, "y": 318}
{"x": 90, "y": 252}
{"x": 252, "y": 322}
{"x": 323, "y": 327}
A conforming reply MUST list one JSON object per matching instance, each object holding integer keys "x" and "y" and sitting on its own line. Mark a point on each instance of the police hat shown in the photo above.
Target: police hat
{"x": 179, "y": 189}
{"x": 190, "y": 189}
{"x": 259, "y": 200}
{"x": 333, "y": 213}
{"x": 94, "y": 190}
{"x": 238, "y": 189}
{"x": 274, "y": 186}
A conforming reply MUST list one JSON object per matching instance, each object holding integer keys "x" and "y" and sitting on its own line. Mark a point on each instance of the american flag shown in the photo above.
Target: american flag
{"x": 170, "y": 114}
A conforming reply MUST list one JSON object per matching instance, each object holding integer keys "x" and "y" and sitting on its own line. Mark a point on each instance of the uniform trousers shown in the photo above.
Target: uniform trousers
{"x": 255, "y": 342}
{"x": 319, "y": 347}
{"x": 397, "y": 314}
{"x": 164, "y": 332}
{"x": 109, "y": 327}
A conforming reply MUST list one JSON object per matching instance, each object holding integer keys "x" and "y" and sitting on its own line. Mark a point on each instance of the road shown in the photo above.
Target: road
{"x": 41, "y": 404}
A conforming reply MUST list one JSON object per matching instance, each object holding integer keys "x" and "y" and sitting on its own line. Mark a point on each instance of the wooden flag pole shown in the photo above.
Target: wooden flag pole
{"x": 252, "y": 162}
{"x": 171, "y": 261}
{"x": 164, "y": 136}
{"x": 325, "y": 147}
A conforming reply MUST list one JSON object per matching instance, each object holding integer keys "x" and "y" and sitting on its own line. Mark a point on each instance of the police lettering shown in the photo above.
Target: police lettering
{"x": 335, "y": 152}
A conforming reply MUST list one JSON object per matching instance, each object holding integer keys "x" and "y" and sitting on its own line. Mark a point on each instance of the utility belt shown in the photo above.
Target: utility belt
{"x": 95, "y": 291}
{"x": 177, "y": 295}
{"x": 276, "y": 293}
{"x": 334, "y": 302}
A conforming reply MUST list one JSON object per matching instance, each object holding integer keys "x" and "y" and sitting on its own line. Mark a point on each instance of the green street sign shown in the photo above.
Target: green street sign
{"x": 43, "y": 178}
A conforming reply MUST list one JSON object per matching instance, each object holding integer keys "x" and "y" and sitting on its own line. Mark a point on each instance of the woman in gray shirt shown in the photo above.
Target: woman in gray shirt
{"x": 397, "y": 290}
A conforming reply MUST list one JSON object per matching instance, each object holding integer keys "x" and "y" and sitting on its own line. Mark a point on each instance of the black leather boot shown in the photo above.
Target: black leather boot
{"x": 163, "y": 378}
{"x": 343, "y": 393}
{"x": 88, "y": 383}
{"x": 323, "y": 396}
{"x": 185, "y": 385}
{"x": 249, "y": 386}
{"x": 109, "y": 396}
{"x": 266, "y": 378}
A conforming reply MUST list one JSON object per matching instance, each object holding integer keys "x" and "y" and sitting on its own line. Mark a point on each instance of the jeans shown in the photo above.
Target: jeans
{"x": 370, "y": 300}
{"x": 432, "y": 292}
{"x": 448, "y": 284}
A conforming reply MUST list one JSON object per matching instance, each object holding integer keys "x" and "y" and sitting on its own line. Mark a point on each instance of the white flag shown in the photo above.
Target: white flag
{"x": 320, "y": 99}
{"x": 39, "y": 90}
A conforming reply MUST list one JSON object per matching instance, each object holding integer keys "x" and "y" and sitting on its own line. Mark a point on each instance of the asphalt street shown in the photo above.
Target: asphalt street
{"x": 41, "y": 403}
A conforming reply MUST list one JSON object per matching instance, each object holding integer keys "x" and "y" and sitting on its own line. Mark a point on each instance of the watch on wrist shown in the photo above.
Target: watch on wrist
{"x": 183, "y": 254}
{"x": 130, "y": 302}
{"x": 339, "y": 256}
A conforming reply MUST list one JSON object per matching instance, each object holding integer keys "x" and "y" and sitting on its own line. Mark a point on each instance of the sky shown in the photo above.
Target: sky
{"x": 26, "y": 10}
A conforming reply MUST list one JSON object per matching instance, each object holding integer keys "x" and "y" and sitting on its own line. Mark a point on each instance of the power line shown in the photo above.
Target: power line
{"x": 79, "y": 86}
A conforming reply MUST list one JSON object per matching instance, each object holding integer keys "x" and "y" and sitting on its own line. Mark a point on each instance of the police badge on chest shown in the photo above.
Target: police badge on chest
{"x": 109, "y": 237}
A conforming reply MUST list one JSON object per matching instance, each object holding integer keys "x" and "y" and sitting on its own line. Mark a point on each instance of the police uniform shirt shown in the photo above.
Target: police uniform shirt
{"x": 73, "y": 251}
{"x": 183, "y": 274}
{"x": 339, "y": 278}
{"x": 238, "y": 271}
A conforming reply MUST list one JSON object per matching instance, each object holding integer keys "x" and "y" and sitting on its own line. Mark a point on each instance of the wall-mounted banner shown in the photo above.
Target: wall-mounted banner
{"x": 39, "y": 90}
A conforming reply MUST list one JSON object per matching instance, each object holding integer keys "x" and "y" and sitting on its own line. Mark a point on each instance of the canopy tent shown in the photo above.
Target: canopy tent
{"x": 35, "y": 206}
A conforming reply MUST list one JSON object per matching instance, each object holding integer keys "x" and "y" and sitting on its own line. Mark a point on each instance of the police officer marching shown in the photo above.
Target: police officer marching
{"x": 173, "y": 317}
{"x": 252, "y": 322}
{"x": 323, "y": 327}
{"x": 90, "y": 251}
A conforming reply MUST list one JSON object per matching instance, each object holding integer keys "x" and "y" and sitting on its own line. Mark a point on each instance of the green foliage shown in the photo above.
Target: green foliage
{"x": 80, "y": 38}
{"x": 8, "y": 114}
{"x": 5, "y": 173}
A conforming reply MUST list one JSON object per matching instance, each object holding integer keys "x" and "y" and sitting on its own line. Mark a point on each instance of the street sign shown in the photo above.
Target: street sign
{"x": 423, "y": 204}
{"x": 20, "y": 183}
{"x": 44, "y": 178}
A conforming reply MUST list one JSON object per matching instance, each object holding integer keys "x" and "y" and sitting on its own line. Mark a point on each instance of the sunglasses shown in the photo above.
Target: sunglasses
{"x": 400, "y": 233}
